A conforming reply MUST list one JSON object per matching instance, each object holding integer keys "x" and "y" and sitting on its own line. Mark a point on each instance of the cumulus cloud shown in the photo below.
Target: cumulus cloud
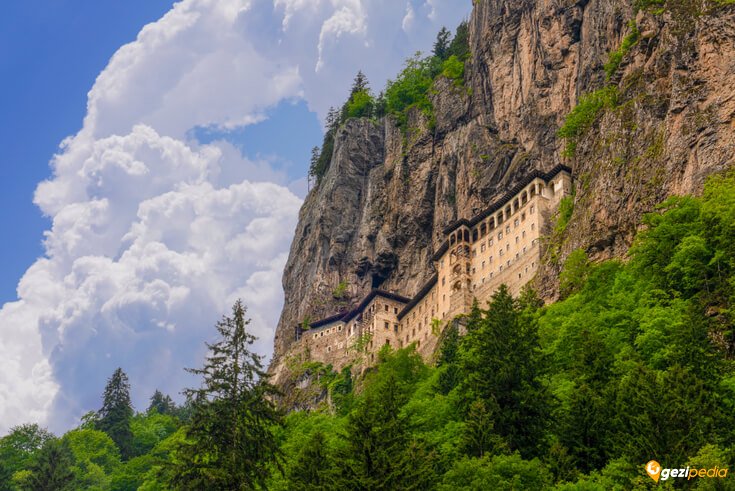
{"x": 154, "y": 234}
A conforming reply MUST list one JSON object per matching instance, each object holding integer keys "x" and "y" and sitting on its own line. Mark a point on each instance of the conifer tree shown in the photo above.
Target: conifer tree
{"x": 441, "y": 45}
{"x": 117, "y": 412}
{"x": 360, "y": 84}
{"x": 314, "y": 468}
{"x": 502, "y": 366}
{"x": 162, "y": 404}
{"x": 52, "y": 470}
{"x": 230, "y": 442}
{"x": 314, "y": 161}
{"x": 460, "y": 45}
{"x": 382, "y": 454}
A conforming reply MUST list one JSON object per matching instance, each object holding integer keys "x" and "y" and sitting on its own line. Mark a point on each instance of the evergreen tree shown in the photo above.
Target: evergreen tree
{"x": 360, "y": 84}
{"x": 117, "y": 413}
{"x": 52, "y": 470}
{"x": 502, "y": 366}
{"x": 314, "y": 468}
{"x": 447, "y": 361}
{"x": 380, "y": 105}
{"x": 162, "y": 404}
{"x": 479, "y": 437}
{"x": 314, "y": 161}
{"x": 230, "y": 442}
{"x": 460, "y": 45}
{"x": 441, "y": 45}
{"x": 382, "y": 454}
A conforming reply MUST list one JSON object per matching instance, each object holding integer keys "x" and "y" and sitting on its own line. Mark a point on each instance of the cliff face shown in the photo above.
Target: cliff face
{"x": 376, "y": 217}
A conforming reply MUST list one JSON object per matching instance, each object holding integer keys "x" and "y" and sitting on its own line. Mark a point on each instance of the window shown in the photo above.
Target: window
{"x": 443, "y": 280}
{"x": 517, "y": 239}
{"x": 515, "y": 222}
{"x": 490, "y": 243}
{"x": 500, "y": 236}
{"x": 501, "y": 268}
{"x": 386, "y": 307}
{"x": 508, "y": 262}
{"x": 483, "y": 265}
{"x": 395, "y": 310}
{"x": 482, "y": 248}
{"x": 523, "y": 234}
{"x": 507, "y": 247}
{"x": 523, "y": 216}
{"x": 387, "y": 326}
{"x": 533, "y": 226}
{"x": 517, "y": 255}
{"x": 501, "y": 252}
{"x": 507, "y": 229}
{"x": 531, "y": 209}
{"x": 473, "y": 270}
{"x": 491, "y": 259}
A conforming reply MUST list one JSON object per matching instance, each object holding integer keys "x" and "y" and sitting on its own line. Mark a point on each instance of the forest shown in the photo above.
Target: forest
{"x": 635, "y": 363}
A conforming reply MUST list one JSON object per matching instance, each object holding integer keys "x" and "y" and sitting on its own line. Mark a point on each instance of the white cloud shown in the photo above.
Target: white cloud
{"x": 154, "y": 235}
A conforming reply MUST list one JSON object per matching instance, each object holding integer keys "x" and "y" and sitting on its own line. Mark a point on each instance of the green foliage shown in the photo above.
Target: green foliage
{"x": 340, "y": 292}
{"x": 505, "y": 472}
{"x": 52, "y": 469}
{"x": 616, "y": 57}
{"x": 634, "y": 363}
{"x": 453, "y": 69}
{"x": 410, "y": 89}
{"x": 360, "y": 105}
{"x": 566, "y": 208}
{"x": 116, "y": 412}
{"x": 460, "y": 45}
{"x": 585, "y": 114}
{"x": 18, "y": 449}
{"x": 230, "y": 442}
{"x": 441, "y": 45}
{"x": 161, "y": 404}
{"x": 574, "y": 274}
{"x": 502, "y": 365}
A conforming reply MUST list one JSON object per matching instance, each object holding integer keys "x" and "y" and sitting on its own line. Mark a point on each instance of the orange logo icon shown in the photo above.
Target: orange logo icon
{"x": 653, "y": 469}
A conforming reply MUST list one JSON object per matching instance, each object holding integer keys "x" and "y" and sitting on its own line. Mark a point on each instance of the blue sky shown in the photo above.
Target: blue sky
{"x": 50, "y": 54}
{"x": 153, "y": 169}
{"x": 51, "y": 51}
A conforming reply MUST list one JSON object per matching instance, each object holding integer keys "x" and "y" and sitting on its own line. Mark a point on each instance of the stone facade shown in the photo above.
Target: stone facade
{"x": 498, "y": 246}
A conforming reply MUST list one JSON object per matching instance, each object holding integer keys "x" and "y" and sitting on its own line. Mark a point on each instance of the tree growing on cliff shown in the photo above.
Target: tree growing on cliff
{"x": 116, "y": 413}
{"x": 230, "y": 443}
{"x": 441, "y": 45}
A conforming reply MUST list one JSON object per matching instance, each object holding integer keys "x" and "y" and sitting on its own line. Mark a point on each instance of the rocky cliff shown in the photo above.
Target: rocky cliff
{"x": 668, "y": 121}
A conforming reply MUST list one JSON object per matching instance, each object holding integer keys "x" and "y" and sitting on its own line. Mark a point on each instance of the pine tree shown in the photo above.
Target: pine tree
{"x": 52, "y": 470}
{"x": 117, "y": 413}
{"x": 460, "y": 45}
{"x": 441, "y": 45}
{"x": 314, "y": 468}
{"x": 501, "y": 364}
{"x": 230, "y": 440}
{"x": 332, "y": 120}
{"x": 448, "y": 359}
{"x": 381, "y": 453}
{"x": 360, "y": 84}
{"x": 162, "y": 404}
{"x": 314, "y": 161}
